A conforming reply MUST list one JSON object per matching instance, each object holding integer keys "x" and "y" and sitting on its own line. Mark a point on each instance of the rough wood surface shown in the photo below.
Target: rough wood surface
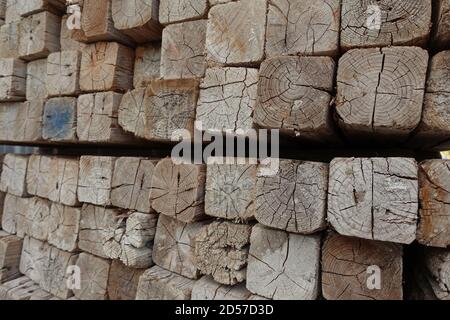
{"x": 106, "y": 66}
{"x": 147, "y": 65}
{"x": 295, "y": 199}
{"x": 182, "y": 50}
{"x": 231, "y": 191}
{"x": 64, "y": 226}
{"x": 137, "y": 19}
{"x": 207, "y": 289}
{"x": 174, "y": 244}
{"x": 38, "y": 174}
{"x": 434, "y": 193}
{"x": 28, "y": 7}
{"x": 12, "y": 80}
{"x": 236, "y": 32}
{"x": 13, "y": 175}
{"x": 63, "y": 73}
{"x": 283, "y": 265}
{"x": 95, "y": 179}
{"x": 437, "y": 264}
{"x": 39, "y": 36}
{"x": 11, "y": 12}
{"x": 404, "y": 22}
{"x": 140, "y": 229}
{"x": 9, "y": 112}
{"x": 70, "y": 39}
{"x": 441, "y": 36}
{"x": 159, "y": 284}
{"x": 346, "y": 269}
{"x": 294, "y": 96}
{"x": 28, "y": 123}
{"x": 9, "y": 37}
{"x": 303, "y": 27}
{"x": 38, "y": 218}
{"x": 380, "y": 91}
{"x": 60, "y": 119}
{"x": 94, "y": 277}
{"x": 374, "y": 198}
{"x": 160, "y": 110}
{"x": 14, "y": 211}
{"x": 123, "y": 281}
{"x": 221, "y": 250}
{"x": 171, "y": 11}
{"x": 178, "y": 191}
{"x": 22, "y": 289}
{"x": 227, "y": 99}
{"x": 37, "y": 80}
{"x": 34, "y": 255}
{"x": 10, "y": 252}
{"x": 132, "y": 183}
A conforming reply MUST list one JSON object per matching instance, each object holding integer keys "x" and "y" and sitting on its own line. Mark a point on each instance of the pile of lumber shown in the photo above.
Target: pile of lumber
{"x": 325, "y": 73}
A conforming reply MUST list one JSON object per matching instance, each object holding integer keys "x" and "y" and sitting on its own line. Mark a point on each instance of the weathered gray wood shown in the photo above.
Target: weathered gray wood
{"x": 137, "y": 19}
{"x": 38, "y": 218}
{"x": 132, "y": 183}
{"x": 60, "y": 119}
{"x": 207, "y": 289}
{"x": 38, "y": 175}
{"x": 106, "y": 66}
{"x": 347, "y": 269}
{"x": 13, "y": 175}
{"x": 221, "y": 250}
{"x": 13, "y": 218}
{"x": 28, "y": 7}
{"x": 23, "y": 289}
{"x": 434, "y": 193}
{"x": 178, "y": 191}
{"x": 184, "y": 10}
{"x": 174, "y": 246}
{"x": 2, "y": 9}
{"x": 182, "y": 50}
{"x": 160, "y": 110}
{"x": 95, "y": 179}
{"x": 380, "y": 92}
{"x": 303, "y": 27}
{"x": 231, "y": 191}
{"x": 70, "y": 39}
{"x": 147, "y": 65}
{"x": 34, "y": 254}
{"x": 441, "y": 36}
{"x": 8, "y": 114}
{"x": 437, "y": 263}
{"x": 374, "y": 198}
{"x": 10, "y": 252}
{"x": 236, "y": 32}
{"x": 123, "y": 281}
{"x": 227, "y": 99}
{"x": 404, "y": 22}
{"x": 64, "y": 181}
{"x": 295, "y": 199}
{"x": 94, "y": 277}
{"x": 64, "y": 226}
{"x": 159, "y": 284}
{"x": 140, "y": 229}
{"x": 12, "y": 80}
{"x": 294, "y": 96}
{"x": 39, "y": 35}
{"x": 138, "y": 258}
{"x": 9, "y": 37}
{"x": 11, "y": 12}
{"x": 283, "y": 265}
{"x": 28, "y": 123}
{"x": 37, "y": 79}
{"x": 63, "y": 70}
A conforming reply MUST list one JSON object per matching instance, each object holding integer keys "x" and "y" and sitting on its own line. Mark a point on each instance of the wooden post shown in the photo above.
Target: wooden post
{"x": 91, "y": 268}
{"x": 227, "y": 99}
{"x": 236, "y": 32}
{"x": 28, "y": 123}
{"x": 64, "y": 225}
{"x": 29, "y": 7}
{"x": 294, "y": 97}
{"x": 60, "y": 119}
{"x": 221, "y": 250}
{"x": 10, "y": 251}
{"x": 38, "y": 218}
{"x": 441, "y": 36}
{"x": 437, "y": 264}
{"x": 140, "y": 229}
{"x": 70, "y": 39}
{"x": 38, "y": 175}
{"x": 123, "y": 281}
{"x": 9, "y": 37}
{"x": 12, "y": 80}
{"x": 13, "y": 175}
{"x": 283, "y": 265}
{"x": 23, "y": 289}
{"x": 132, "y": 183}
{"x": 231, "y": 191}
{"x": 63, "y": 73}
{"x": 8, "y": 114}
{"x": 295, "y": 199}
{"x": 37, "y": 79}
{"x": 14, "y": 211}
{"x": 207, "y": 289}
{"x": 374, "y": 198}
{"x": 182, "y": 50}
{"x": 106, "y": 66}
{"x": 147, "y": 65}
{"x": 34, "y": 254}
{"x": 179, "y": 11}
{"x": 95, "y": 179}
{"x": 178, "y": 191}
{"x": 157, "y": 112}
{"x": 355, "y": 269}
{"x": 434, "y": 192}
{"x": 159, "y": 284}
{"x": 375, "y": 98}
{"x": 39, "y": 35}
{"x": 303, "y": 28}
{"x": 174, "y": 246}
{"x": 385, "y": 23}
{"x": 64, "y": 181}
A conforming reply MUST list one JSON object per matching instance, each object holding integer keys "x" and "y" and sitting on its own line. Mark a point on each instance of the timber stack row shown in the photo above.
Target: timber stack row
{"x": 136, "y": 72}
